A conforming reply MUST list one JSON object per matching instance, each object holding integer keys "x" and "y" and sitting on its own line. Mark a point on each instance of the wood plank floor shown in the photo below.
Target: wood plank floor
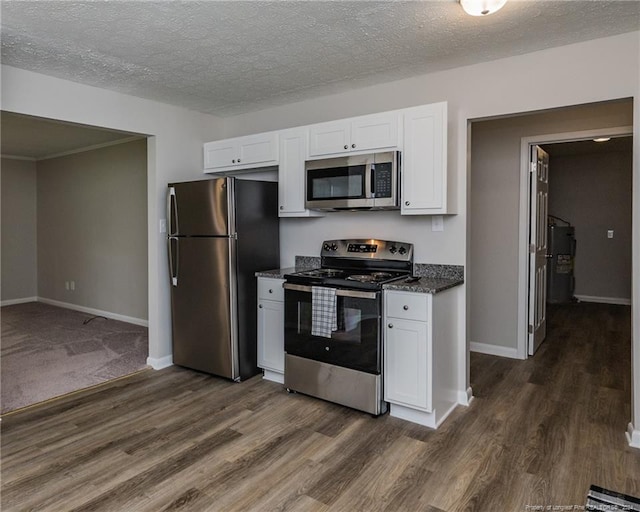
{"x": 539, "y": 432}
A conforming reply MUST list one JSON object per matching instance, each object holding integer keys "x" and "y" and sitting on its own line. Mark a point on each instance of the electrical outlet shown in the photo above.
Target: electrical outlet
{"x": 72, "y": 285}
{"x": 163, "y": 225}
{"x": 437, "y": 223}
{"x": 66, "y": 285}
{"x": 610, "y": 233}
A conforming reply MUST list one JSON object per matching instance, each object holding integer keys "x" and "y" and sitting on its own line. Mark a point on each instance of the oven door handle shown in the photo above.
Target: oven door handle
{"x": 342, "y": 293}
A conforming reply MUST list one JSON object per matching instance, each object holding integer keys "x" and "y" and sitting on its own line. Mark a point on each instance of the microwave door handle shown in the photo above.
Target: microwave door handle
{"x": 369, "y": 183}
{"x": 373, "y": 180}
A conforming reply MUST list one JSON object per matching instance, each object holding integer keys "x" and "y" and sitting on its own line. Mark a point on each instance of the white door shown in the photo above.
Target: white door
{"x": 539, "y": 161}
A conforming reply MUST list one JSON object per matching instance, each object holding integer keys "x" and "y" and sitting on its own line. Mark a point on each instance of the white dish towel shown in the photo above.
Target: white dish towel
{"x": 324, "y": 315}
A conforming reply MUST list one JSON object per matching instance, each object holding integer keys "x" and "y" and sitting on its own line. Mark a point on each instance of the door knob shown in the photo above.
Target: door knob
{"x": 406, "y": 308}
{"x": 260, "y": 306}
{"x": 390, "y": 326}
{"x": 353, "y": 145}
{"x": 346, "y": 146}
{"x": 407, "y": 203}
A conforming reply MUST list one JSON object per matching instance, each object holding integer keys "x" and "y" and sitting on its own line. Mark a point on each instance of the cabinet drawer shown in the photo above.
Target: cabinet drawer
{"x": 409, "y": 306}
{"x": 270, "y": 289}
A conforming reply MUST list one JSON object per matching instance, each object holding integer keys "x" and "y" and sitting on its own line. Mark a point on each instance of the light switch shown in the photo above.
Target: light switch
{"x": 610, "y": 233}
{"x": 437, "y": 223}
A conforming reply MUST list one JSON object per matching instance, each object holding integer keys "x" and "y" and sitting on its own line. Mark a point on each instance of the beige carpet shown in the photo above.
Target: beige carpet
{"x": 49, "y": 351}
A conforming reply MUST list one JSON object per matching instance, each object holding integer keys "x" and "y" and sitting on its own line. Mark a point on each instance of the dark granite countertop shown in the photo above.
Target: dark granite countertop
{"x": 302, "y": 263}
{"x": 433, "y": 278}
{"x": 425, "y": 285}
{"x": 277, "y": 273}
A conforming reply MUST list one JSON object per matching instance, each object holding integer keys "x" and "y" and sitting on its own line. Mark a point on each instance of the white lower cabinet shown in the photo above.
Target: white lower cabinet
{"x": 408, "y": 363}
{"x": 271, "y": 328}
{"x": 420, "y": 364}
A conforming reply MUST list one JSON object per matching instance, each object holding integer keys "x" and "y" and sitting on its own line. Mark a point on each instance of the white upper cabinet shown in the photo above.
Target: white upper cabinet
{"x": 424, "y": 161}
{"x": 420, "y": 133}
{"x": 365, "y": 133}
{"x": 248, "y": 152}
{"x": 291, "y": 175}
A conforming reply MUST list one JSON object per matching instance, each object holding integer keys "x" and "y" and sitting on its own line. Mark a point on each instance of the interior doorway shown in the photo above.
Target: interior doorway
{"x": 74, "y": 283}
{"x": 589, "y": 196}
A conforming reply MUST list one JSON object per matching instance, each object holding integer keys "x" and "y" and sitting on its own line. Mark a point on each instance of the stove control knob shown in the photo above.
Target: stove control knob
{"x": 334, "y": 247}
{"x": 402, "y": 250}
{"x": 326, "y": 247}
{"x": 393, "y": 249}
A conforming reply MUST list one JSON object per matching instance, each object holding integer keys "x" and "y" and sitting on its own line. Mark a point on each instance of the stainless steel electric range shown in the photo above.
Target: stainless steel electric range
{"x": 333, "y": 316}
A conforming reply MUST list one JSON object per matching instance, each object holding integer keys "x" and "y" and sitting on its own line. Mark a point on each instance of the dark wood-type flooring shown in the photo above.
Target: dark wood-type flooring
{"x": 539, "y": 432}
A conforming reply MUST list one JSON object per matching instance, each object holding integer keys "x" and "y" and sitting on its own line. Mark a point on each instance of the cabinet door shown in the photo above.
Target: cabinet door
{"x": 271, "y": 335}
{"x": 291, "y": 175}
{"x": 329, "y": 138}
{"x": 407, "y": 364}
{"x": 424, "y": 160}
{"x": 258, "y": 149}
{"x": 222, "y": 153}
{"x": 375, "y": 132}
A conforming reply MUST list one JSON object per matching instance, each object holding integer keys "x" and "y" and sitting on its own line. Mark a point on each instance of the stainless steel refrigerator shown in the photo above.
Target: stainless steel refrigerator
{"x": 221, "y": 231}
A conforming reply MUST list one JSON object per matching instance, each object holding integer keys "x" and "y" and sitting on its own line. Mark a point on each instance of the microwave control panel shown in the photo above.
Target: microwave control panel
{"x": 382, "y": 180}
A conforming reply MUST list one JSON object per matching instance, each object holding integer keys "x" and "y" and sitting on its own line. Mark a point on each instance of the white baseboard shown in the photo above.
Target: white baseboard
{"x": 92, "y": 311}
{"x": 273, "y": 376}
{"x": 494, "y": 350}
{"x": 604, "y": 300}
{"x": 465, "y": 397}
{"x": 633, "y": 436}
{"x": 160, "y": 362}
{"x": 24, "y": 300}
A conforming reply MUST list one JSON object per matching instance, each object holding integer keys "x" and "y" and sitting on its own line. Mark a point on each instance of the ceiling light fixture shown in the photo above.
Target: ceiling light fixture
{"x": 602, "y": 139}
{"x": 481, "y": 7}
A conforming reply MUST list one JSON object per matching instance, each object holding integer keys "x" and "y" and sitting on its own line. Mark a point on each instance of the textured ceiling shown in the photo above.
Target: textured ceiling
{"x": 37, "y": 138}
{"x": 231, "y": 57}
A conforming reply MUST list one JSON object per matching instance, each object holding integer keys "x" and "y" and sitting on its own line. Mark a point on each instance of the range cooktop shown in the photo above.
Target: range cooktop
{"x": 358, "y": 263}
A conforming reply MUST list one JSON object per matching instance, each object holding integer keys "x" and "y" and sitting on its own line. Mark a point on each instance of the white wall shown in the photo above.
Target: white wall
{"x": 92, "y": 229}
{"x": 174, "y": 152}
{"x": 19, "y": 248}
{"x": 634, "y": 425}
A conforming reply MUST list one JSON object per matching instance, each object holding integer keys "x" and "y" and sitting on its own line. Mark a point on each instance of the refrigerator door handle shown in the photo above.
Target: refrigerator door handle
{"x": 172, "y": 211}
{"x": 174, "y": 269}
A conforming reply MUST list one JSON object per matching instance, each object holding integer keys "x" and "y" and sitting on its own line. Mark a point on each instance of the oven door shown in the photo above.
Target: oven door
{"x": 356, "y": 344}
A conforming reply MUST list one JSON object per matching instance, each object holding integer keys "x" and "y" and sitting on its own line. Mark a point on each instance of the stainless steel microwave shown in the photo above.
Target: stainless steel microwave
{"x": 354, "y": 182}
